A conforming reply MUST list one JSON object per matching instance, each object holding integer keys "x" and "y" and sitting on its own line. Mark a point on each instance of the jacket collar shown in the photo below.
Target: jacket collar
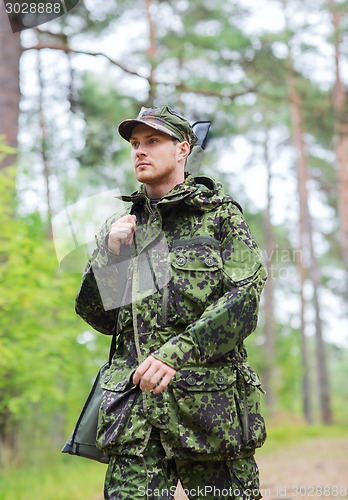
{"x": 178, "y": 193}
{"x": 200, "y": 193}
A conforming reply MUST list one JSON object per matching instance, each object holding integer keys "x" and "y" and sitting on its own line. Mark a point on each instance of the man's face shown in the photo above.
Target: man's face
{"x": 155, "y": 157}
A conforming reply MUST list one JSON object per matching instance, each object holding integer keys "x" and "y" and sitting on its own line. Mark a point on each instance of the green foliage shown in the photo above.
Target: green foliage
{"x": 67, "y": 478}
{"x": 43, "y": 367}
{"x": 103, "y": 108}
{"x": 83, "y": 19}
{"x": 5, "y": 150}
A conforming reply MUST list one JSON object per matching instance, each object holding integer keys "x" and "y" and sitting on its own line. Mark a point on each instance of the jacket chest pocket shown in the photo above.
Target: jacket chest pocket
{"x": 195, "y": 281}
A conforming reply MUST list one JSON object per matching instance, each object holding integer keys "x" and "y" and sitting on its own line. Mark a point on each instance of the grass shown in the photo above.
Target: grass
{"x": 67, "y": 478}
{"x": 74, "y": 478}
{"x": 286, "y": 435}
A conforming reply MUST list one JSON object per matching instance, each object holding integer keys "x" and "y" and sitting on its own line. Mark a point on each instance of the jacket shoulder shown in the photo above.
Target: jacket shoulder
{"x": 211, "y": 195}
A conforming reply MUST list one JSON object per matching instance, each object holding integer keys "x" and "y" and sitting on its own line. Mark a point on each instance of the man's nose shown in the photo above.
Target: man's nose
{"x": 141, "y": 150}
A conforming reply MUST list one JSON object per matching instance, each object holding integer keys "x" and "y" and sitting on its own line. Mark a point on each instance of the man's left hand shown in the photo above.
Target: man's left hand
{"x": 153, "y": 375}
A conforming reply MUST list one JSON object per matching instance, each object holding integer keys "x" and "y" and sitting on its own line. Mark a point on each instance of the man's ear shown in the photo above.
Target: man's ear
{"x": 184, "y": 150}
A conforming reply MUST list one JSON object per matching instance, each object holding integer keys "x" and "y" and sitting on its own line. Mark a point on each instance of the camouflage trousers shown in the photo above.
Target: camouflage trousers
{"x": 153, "y": 477}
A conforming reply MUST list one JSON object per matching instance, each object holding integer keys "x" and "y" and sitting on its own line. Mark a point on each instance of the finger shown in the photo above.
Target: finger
{"x": 148, "y": 384}
{"x": 127, "y": 221}
{"x": 130, "y": 238}
{"x": 164, "y": 383}
{"x": 126, "y": 218}
{"x": 150, "y": 378}
{"x": 157, "y": 377}
{"x": 151, "y": 372}
{"x": 121, "y": 226}
{"x": 139, "y": 372}
{"x": 131, "y": 219}
{"x": 121, "y": 231}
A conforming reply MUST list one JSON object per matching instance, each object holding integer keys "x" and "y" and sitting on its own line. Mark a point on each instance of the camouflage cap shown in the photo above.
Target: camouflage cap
{"x": 164, "y": 119}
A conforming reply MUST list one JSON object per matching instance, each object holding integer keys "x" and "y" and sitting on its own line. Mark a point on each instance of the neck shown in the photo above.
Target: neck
{"x": 160, "y": 190}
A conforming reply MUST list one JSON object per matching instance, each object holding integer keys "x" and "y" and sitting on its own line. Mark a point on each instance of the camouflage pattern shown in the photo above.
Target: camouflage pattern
{"x": 137, "y": 478}
{"x": 193, "y": 305}
{"x": 154, "y": 476}
{"x": 238, "y": 479}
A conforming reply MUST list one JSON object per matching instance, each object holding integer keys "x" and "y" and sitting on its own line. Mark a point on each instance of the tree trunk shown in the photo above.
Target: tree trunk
{"x": 8, "y": 439}
{"x": 151, "y": 54}
{"x": 10, "y": 53}
{"x": 44, "y": 155}
{"x": 307, "y": 245}
{"x": 307, "y": 403}
{"x": 269, "y": 289}
{"x": 341, "y": 134}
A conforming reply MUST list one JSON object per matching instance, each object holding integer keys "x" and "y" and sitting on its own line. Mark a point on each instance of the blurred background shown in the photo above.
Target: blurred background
{"x": 272, "y": 77}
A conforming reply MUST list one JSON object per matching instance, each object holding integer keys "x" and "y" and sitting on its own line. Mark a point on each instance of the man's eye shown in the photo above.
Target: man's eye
{"x": 135, "y": 145}
{"x": 153, "y": 140}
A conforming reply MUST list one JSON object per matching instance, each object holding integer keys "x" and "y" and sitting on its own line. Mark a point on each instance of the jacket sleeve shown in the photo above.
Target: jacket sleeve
{"x": 98, "y": 297}
{"x": 230, "y": 319}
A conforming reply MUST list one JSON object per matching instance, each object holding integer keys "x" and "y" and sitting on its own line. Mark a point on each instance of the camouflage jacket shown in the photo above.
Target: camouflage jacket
{"x": 187, "y": 292}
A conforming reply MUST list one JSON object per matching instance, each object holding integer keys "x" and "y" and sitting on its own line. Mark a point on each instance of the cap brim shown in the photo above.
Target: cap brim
{"x": 126, "y": 127}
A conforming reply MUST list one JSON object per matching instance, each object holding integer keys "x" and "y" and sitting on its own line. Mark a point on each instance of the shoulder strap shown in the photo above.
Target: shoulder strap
{"x": 113, "y": 340}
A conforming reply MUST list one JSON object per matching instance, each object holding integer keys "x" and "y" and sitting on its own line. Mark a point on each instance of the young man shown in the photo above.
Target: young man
{"x": 178, "y": 279}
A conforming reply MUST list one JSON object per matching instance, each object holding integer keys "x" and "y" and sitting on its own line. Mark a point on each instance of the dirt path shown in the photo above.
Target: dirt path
{"x": 315, "y": 469}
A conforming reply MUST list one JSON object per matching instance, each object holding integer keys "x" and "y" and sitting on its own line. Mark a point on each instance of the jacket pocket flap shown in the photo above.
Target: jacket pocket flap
{"x": 204, "y": 379}
{"x": 196, "y": 258}
{"x": 117, "y": 381}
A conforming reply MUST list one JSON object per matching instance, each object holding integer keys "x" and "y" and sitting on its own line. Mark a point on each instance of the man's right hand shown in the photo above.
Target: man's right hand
{"x": 121, "y": 233}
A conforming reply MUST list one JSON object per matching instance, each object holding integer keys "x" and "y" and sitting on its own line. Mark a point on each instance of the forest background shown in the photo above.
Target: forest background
{"x": 272, "y": 77}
